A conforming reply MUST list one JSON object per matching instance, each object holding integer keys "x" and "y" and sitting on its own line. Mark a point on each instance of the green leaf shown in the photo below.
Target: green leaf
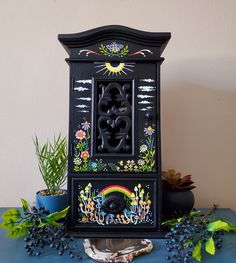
{"x": 57, "y": 215}
{"x": 195, "y": 213}
{"x": 232, "y": 226}
{"x": 53, "y": 223}
{"x": 171, "y": 222}
{"x": 42, "y": 224}
{"x": 210, "y": 246}
{"x": 27, "y": 223}
{"x": 187, "y": 242}
{"x": 25, "y": 205}
{"x": 217, "y": 226}
{"x": 17, "y": 231}
{"x": 197, "y": 251}
{"x": 8, "y": 224}
{"x": 12, "y": 214}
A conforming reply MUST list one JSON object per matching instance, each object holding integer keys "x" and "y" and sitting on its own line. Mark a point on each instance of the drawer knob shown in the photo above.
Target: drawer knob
{"x": 113, "y": 204}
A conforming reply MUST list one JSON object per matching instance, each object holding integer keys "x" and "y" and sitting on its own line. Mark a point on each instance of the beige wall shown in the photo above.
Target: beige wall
{"x": 198, "y": 86}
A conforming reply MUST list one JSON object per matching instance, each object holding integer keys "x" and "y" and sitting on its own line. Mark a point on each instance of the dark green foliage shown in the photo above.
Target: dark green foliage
{"x": 52, "y": 163}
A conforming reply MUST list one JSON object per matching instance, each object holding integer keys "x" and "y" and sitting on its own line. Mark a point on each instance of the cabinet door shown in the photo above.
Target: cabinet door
{"x": 113, "y": 125}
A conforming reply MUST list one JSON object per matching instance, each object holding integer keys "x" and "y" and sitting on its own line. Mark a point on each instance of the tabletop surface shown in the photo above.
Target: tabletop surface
{"x": 12, "y": 251}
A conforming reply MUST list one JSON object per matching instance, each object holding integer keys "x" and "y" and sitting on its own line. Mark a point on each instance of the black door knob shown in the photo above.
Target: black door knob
{"x": 113, "y": 204}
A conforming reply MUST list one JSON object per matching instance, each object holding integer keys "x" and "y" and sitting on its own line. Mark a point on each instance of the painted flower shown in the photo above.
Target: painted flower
{"x": 149, "y": 130}
{"x": 80, "y": 135}
{"x": 141, "y": 162}
{"x": 86, "y": 125}
{"x": 143, "y": 148}
{"x": 121, "y": 163}
{"x": 94, "y": 165}
{"x": 84, "y": 155}
{"x": 126, "y": 167}
{"x": 77, "y": 161}
{"x": 136, "y": 168}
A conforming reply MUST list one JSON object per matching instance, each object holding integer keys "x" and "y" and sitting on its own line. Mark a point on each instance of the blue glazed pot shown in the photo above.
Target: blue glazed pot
{"x": 52, "y": 203}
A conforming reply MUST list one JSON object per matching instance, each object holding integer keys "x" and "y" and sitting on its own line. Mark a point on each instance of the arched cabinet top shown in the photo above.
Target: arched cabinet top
{"x": 114, "y": 42}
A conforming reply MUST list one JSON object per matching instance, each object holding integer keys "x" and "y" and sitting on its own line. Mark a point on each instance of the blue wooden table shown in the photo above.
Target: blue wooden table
{"x": 12, "y": 251}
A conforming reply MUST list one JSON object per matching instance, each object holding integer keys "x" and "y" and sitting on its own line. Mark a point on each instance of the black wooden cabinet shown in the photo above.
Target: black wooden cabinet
{"x": 114, "y": 131}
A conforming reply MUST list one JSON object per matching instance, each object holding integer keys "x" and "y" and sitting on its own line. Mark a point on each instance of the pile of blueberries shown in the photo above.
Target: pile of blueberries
{"x": 48, "y": 236}
{"x": 181, "y": 238}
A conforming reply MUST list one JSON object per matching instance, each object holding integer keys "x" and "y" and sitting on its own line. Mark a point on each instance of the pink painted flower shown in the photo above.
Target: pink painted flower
{"x": 80, "y": 135}
{"x": 84, "y": 155}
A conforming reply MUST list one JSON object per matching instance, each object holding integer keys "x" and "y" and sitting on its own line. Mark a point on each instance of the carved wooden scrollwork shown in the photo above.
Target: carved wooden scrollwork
{"x": 114, "y": 117}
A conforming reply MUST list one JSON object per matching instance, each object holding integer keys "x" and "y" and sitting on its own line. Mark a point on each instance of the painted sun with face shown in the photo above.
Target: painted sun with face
{"x": 114, "y": 68}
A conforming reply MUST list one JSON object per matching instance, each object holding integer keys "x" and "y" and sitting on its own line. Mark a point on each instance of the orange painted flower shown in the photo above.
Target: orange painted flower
{"x": 84, "y": 155}
{"x": 80, "y": 135}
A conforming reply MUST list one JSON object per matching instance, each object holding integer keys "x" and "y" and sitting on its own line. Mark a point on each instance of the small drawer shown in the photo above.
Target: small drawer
{"x": 108, "y": 203}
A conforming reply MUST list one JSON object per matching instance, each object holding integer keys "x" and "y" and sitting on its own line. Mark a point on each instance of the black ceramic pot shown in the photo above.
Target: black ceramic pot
{"x": 177, "y": 203}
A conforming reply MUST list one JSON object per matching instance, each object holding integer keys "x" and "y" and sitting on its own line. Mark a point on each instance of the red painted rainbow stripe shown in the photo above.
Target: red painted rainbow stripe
{"x": 116, "y": 188}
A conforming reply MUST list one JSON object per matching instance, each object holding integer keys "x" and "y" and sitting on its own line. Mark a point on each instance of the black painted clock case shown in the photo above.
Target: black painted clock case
{"x": 114, "y": 160}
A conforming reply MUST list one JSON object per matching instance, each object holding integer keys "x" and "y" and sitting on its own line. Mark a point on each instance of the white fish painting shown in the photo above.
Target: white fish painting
{"x": 145, "y": 96}
{"x": 83, "y": 111}
{"x": 147, "y": 80}
{"x": 144, "y": 102}
{"x": 147, "y": 88}
{"x": 87, "y": 99}
{"x": 84, "y": 81}
{"x": 80, "y": 88}
{"x": 81, "y": 106}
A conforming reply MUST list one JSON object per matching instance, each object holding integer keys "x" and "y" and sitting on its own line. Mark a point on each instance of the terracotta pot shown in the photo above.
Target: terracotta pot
{"x": 177, "y": 203}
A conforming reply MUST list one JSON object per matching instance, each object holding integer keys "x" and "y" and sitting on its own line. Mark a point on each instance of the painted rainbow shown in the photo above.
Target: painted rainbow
{"x": 116, "y": 188}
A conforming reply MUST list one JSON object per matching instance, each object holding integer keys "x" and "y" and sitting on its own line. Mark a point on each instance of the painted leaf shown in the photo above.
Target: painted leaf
{"x": 8, "y": 224}
{"x": 57, "y": 215}
{"x": 12, "y": 214}
{"x": 197, "y": 251}
{"x": 17, "y": 231}
{"x": 210, "y": 246}
{"x": 217, "y": 226}
{"x": 25, "y": 205}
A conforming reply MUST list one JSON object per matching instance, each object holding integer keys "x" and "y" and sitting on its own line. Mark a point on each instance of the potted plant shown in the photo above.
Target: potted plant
{"x": 177, "y": 195}
{"x": 52, "y": 158}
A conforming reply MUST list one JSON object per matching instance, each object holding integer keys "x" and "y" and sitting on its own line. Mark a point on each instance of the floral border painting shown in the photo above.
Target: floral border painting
{"x": 82, "y": 160}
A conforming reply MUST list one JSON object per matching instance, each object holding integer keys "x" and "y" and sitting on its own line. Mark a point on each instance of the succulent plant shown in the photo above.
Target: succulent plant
{"x": 174, "y": 182}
